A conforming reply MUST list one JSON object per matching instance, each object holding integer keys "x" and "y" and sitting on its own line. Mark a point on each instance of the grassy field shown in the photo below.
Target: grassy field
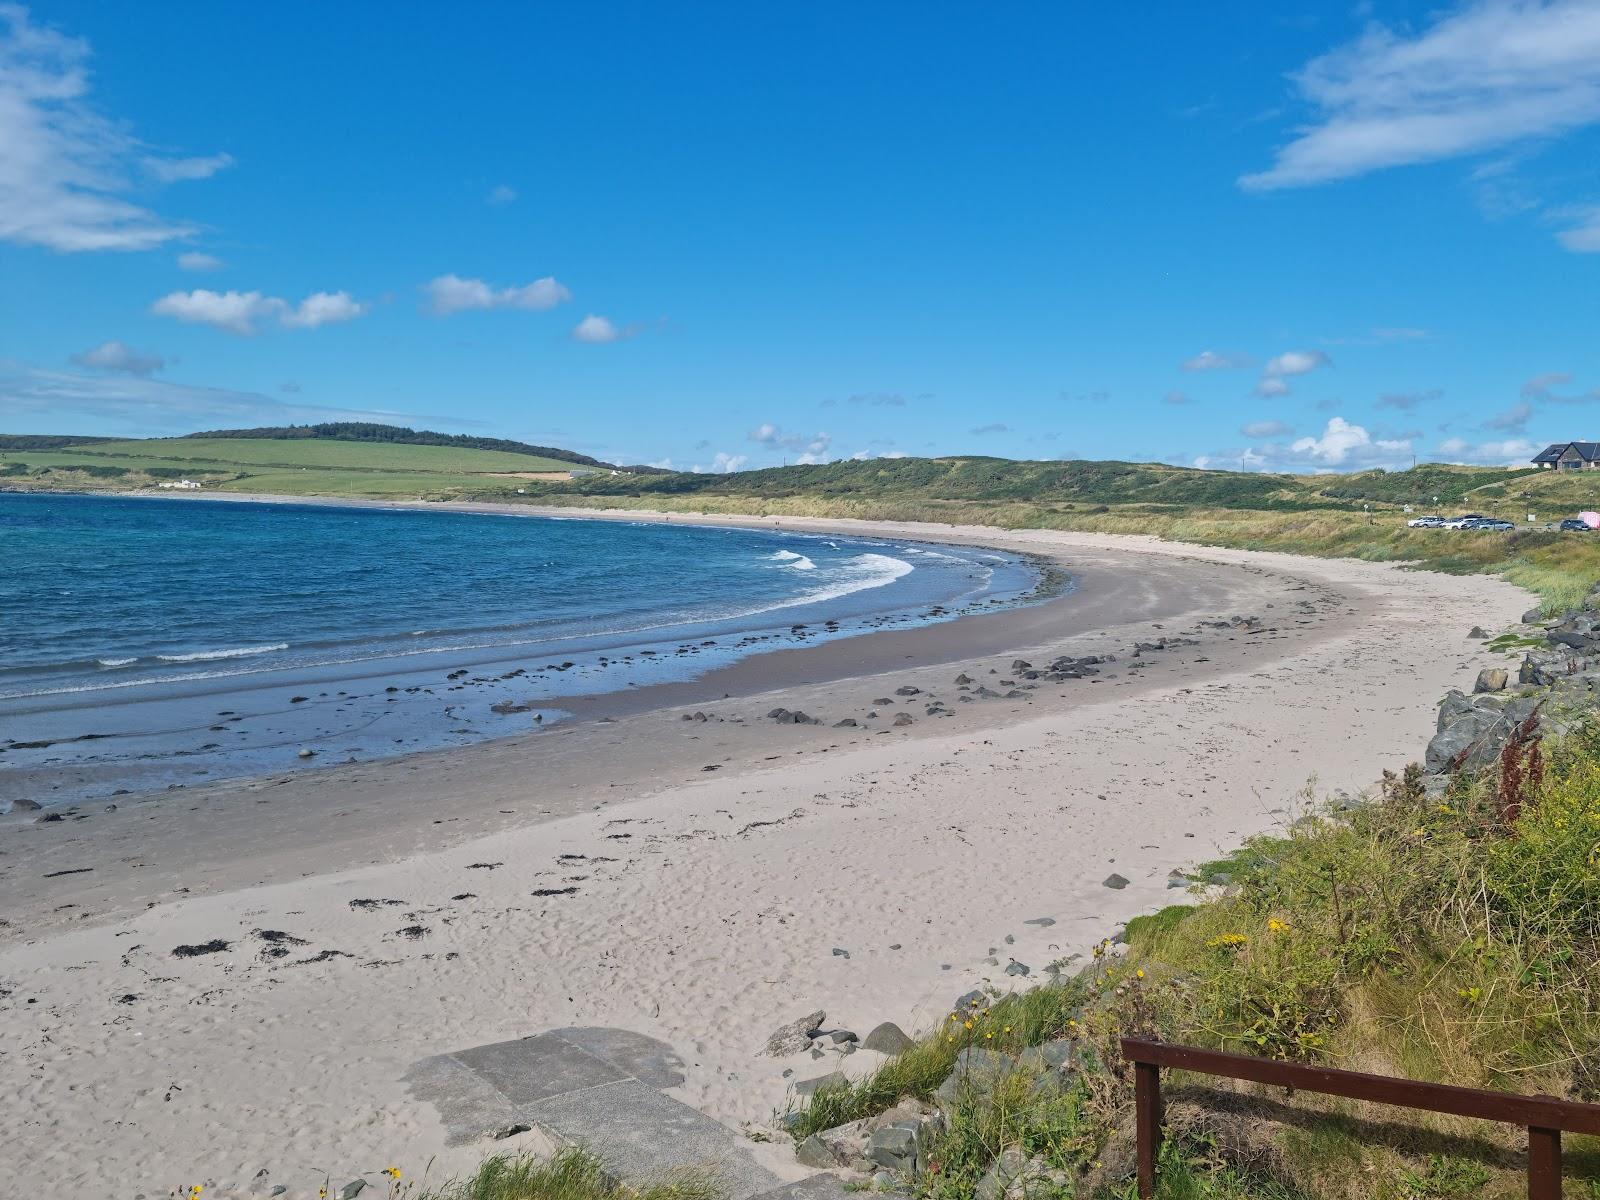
{"x": 300, "y": 467}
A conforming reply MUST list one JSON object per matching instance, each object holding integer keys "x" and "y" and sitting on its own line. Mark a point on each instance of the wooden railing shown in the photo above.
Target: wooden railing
{"x": 1544, "y": 1117}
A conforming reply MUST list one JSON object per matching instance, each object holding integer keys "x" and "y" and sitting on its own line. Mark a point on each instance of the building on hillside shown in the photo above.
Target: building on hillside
{"x": 183, "y": 485}
{"x": 1569, "y": 456}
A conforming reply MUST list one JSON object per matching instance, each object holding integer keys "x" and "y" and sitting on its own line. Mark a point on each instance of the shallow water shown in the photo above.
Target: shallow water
{"x": 145, "y": 642}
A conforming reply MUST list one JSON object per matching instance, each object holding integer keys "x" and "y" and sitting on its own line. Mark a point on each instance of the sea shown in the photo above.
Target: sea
{"x": 153, "y": 643}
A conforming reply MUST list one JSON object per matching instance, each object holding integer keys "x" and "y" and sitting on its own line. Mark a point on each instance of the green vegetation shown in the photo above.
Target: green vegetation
{"x": 366, "y": 431}
{"x": 571, "y": 1175}
{"x": 1454, "y": 938}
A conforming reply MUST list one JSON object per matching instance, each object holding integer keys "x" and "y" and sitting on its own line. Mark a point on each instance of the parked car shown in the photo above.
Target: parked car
{"x": 1575, "y": 525}
{"x": 1425, "y": 522}
{"x": 1493, "y": 524}
{"x": 1464, "y": 521}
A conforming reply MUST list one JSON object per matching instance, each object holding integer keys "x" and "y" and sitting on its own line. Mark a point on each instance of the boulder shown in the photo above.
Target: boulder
{"x": 1533, "y": 616}
{"x": 888, "y": 1038}
{"x": 847, "y": 723}
{"x": 25, "y": 806}
{"x": 907, "y": 690}
{"x": 1477, "y": 633}
{"x": 814, "y": 1152}
{"x": 1472, "y": 740}
{"x": 795, "y": 1036}
{"x": 975, "y": 1068}
{"x": 1491, "y": 679}
{"x": 1114, "y": 881}
{"x": 810, "y": 1087}
{"x": 901, "y": 1135}
{"x": 903, "y": 718}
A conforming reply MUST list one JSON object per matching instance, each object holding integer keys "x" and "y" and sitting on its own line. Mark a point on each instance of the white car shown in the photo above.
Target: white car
{"x": 1425, "y": 522}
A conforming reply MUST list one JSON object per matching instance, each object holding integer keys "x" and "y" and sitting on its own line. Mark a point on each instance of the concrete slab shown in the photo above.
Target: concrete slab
{"x": 533, "y": 1069}
{"x": 644, "y": 1058}
{"x": 641, "y": 1134}
{"x": 468, "y": 1105}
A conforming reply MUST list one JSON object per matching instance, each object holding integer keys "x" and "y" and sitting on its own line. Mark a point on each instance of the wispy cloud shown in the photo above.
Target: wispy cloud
{"x": 66, "y": 401}
{"x": 1176, "y": 398}
{"x": 241, "y": 312}
{"x": 1266, "y": 429}
{"x": 115, "y": 356}
{"x": 452, "y": 294}
{"x": 992, "y": 427}
{"x": 500, "y": 196}
{"x": 1278, "y": 371}
{"x": 1210, "y": 360}
{"x": 66, "y": 170}
{"x": 1488, "y": 75}
{"x": 770, "y": 435}
{"x": 194, "y": 260}
{"x": 1513, "y": 420}
{"x": 1406, "y": 401}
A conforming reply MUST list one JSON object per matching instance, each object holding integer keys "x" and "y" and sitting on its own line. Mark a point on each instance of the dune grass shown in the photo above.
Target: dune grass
{"x": 572, "y": 1174}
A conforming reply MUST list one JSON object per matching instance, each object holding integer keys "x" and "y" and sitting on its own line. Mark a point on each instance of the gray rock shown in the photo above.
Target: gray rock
{"x": 902, "y": 718}
{"x": 795, "y": 1036}
{"x": 1491, "y": 679}
{"x": 778, "y": 714}
{"x": 1041, "y": 922}
{"x": 1533, "y": 616}
{"x": 814, "y": 1152}
{"x": 972, "y": 999}
{"x": 1016, "y": 968}
{"x": 1007, "y": 1170}
{"x": 1477, "y": 633}
{"x": 882, "y": 702}
{"x": 1114, "y": 881}
{"x": 908, "y": 690}
{"x": 976, "y": 1068}
{"x": 810, "y": 1087}
{"x": 841, "y": 1036}
{"x": 895, "y": 1146}
{"x": 352, "y": 1189}
{"x": 888, "y": 1038}
{"x": 25, "y": 806}
{"x": 847, "y": 723}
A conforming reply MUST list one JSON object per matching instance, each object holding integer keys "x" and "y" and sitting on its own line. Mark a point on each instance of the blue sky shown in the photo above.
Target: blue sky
{"x": 1313, "y": 237}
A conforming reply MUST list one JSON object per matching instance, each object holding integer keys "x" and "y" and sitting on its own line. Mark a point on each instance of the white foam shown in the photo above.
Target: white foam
{"x": 784, "y": 556}
{"x": 111, "y": 663}
{"x": 802, "y": 563}
{"x": 231, "y": 652}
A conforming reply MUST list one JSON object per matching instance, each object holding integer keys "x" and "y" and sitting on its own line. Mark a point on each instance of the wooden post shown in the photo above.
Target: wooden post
{"x": 1544, "y": 1164}
{"x": 1147, "y": 1121}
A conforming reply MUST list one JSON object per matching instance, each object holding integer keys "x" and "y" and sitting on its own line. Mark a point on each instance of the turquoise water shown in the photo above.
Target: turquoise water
{"x": 129, "y": 626}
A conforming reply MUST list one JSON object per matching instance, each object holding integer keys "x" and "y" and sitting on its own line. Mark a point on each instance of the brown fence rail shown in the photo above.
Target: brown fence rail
{"x": 1545, "y": 1117}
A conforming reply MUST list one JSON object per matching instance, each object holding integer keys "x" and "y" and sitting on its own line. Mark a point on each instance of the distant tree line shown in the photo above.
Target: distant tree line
{"x": 367, "y": 431}
{"x": 43, "y": 441}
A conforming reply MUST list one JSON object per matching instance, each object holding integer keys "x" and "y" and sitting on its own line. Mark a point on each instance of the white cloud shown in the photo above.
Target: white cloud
{"x": 115, "y": 356}
{"x": 240, "y": 312}
{"x": 452, "y": 294}
{"x": 65, "y": 169}
{"x": 597, "y": 330}
{"x": 1175, "y": 398}
{"x": 770, "y": 435}
{"x": 1583, "y": 237}
{"x": 1297, "y": 362}
{"x": 991, "y": 427}
{"x": 1210, "y": 360}
{"x": 1514, "y": 452}
{"x": 194, "y": 260}
{"x": 1272, "y": 386}
{"x": 723, "y": 464}
{"x": 1343, "y": 444}
{"x": 1406, "y": 401}
{"x": 1490, "y": 74}
{"x": 323, "y": 308}
{"x": 1266, "y": 429}
{"x": 500, "y": 195}
{"x": 174, "y": 170}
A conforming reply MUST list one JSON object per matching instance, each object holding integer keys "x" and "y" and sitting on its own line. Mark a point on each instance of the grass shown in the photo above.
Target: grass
{"x": 572, "y": 1174}
{"x": 317, "y": 453}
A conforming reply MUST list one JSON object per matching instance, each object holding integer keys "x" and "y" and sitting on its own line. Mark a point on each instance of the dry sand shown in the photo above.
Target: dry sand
{"x": 710, "y": 904}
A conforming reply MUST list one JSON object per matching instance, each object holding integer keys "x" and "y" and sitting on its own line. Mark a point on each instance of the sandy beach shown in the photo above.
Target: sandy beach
{"x": 701, "y": 881}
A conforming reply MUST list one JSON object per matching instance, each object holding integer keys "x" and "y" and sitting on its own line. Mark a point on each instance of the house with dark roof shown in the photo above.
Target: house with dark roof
{"x": 1569, "y": 456}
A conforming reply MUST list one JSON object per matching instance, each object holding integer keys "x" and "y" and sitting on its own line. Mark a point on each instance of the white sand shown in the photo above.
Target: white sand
{"x": 718, "y": 918}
